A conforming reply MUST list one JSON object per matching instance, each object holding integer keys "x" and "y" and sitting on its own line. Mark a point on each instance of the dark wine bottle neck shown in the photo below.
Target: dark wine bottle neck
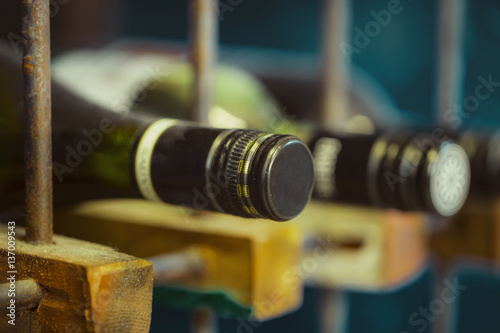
{"x": 168, "y": 162}
{"x": 403, "y": 170}
{"x": 242, "y": 172}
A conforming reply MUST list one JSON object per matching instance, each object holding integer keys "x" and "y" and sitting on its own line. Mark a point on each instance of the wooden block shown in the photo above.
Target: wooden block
{"x": 248, "y": 258}
{"x": 87, "y": 287}
{"x": 368, "y": 248}
{"x": 473, "y": 233}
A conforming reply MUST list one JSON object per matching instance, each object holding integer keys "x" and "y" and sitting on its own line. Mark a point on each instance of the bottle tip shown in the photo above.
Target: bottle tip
{"x": 449, "y": 179}
{"x": 288, "y": 178}
{"x": 267, "y": 175}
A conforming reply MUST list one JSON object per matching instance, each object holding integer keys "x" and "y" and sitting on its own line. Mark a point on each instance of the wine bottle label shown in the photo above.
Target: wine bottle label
{"x": 144, "y": 155}
{"x": 325, "y": 159}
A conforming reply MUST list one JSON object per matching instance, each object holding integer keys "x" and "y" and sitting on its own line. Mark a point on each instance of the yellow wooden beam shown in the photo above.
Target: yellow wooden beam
{"x": 247, "y": 259}
{"x": 473, "y": 233}
{"x": 86, "y": 287}
{"x": 366, "y": 247}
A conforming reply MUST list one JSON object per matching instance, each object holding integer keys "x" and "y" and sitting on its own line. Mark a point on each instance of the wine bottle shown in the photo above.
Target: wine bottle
{"x": 247, "y": 173}
{"x": 403, "y": 170}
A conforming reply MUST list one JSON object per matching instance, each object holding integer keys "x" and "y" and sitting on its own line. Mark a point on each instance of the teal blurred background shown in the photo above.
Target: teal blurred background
{"x": 402, "y": 57}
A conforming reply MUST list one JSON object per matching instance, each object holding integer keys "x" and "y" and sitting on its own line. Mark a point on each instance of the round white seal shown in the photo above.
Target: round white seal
{"x": 449, "y": 179}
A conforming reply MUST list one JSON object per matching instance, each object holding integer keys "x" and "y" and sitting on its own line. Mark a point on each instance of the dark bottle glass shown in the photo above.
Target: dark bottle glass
{"x": 402, "y": 170}
{"x": 483, "y": 149}
{"x": 242, "y": 172}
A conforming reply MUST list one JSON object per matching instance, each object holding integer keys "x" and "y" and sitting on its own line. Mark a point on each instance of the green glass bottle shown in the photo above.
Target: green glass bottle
{"x": 161, "y": 84}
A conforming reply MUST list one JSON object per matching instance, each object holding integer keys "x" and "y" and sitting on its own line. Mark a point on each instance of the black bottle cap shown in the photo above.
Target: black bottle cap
{"x": 286, "y": 178}
{"x": 265, "y": 175}
{"x": 427, "y": 175}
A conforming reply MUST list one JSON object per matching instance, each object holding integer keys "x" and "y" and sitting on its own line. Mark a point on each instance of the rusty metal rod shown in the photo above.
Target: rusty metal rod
{"x": 451, "y": 63}
{"x": 334, "y": 77}
{"x": 203, "y": 321}
{"x": 37, "y": 104}
{"x": 204, "y": 37}
{"x": 332, "y": 311}
{"x": 28, "y": 294}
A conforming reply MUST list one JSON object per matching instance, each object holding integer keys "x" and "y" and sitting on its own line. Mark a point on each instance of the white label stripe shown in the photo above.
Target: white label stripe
{"x": 144, "y": 155}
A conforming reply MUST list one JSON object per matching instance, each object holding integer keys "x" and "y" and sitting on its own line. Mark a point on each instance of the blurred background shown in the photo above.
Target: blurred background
{"x": 401, "y": 58}
{"x": 396, "y": 64}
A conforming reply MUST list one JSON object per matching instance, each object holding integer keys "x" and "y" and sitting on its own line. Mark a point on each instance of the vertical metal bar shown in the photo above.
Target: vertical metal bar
{"x": 332, "y": 311}
{"x": 451, "y": 66}
{"x": 335, "y": 80}
{"x": 335, "y": 106}
{"x": 37, "y": 104}
{"x": 204, "y": 39}
{"x": 204, "y": 32}
{"x": 204, "y": 321}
